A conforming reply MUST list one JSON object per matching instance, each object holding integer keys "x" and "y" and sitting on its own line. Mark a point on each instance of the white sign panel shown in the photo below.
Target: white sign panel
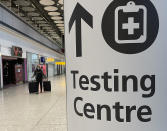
{"x": 116, "y": 56}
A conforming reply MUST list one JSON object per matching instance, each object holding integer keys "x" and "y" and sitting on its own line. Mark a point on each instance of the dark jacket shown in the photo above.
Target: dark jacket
{"x": 39, "y": 75}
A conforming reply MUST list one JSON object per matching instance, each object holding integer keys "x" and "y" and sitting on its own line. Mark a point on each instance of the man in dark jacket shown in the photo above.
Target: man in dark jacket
{"x": 39, "y": 75}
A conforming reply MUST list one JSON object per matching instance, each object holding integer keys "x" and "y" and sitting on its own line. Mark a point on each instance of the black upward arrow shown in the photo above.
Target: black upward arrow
{"x": 78, "y": 14}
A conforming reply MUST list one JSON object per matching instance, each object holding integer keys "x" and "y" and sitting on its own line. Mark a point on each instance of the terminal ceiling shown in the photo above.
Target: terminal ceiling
{"x": 45, "y": 16}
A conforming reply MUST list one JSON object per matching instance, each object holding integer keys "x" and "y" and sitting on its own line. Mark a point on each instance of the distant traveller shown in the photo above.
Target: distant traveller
{"x": 39, "y": 75}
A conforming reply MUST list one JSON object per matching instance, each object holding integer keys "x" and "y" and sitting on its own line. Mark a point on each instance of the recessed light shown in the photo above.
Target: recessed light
{"x": 61, "y": 2}
{"x": 46, "y": 2}
{"x": 51, "y": 8}
{"x": 58, "y": 22}
{"x": 53, "y": 13}
{"x": 28, "y": 9}
{"x": 61, "y": 27}
{"x": 56, "y": 18}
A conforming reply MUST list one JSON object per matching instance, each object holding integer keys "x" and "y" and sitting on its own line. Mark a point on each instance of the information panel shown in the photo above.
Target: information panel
{"x": 116, "y": 60}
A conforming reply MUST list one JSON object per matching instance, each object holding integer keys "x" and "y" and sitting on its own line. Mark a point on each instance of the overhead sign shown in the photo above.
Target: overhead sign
{"x": 50, "y": 59}
{"x": 16, "y": 51}
{"x": 116, "y": 65}
{"x": 60, "y": 63}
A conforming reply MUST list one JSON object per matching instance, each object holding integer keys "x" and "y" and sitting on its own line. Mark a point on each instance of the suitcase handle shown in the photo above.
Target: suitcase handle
{"x": 46, "y": 79}
{"x": 32, "y": 80}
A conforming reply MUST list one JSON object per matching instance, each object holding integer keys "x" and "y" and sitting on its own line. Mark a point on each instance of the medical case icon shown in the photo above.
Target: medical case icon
{"x": 131, "y": 23}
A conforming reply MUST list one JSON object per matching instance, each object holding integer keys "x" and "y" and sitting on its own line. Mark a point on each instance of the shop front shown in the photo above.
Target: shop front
{"x": 13, "y": 66}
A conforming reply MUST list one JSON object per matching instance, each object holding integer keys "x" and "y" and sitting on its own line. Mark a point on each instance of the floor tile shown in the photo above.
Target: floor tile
{"x": 21, "y": 111}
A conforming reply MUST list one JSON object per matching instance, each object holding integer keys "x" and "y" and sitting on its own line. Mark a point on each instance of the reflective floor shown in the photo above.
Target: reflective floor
{"x": 21, "y": 111}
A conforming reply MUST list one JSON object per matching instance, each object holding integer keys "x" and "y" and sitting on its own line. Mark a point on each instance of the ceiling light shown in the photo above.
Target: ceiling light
{"x": 60, "y": 24}
{"x": 51, "y": 8}
{"x": 28, "y": 9}
{"x": 61, "y": 27}
{"x": 53, "y": 13}
{"x": 61, "y": 2}
{"x": 46, "y": 2}
{"x": 56, "y": 18}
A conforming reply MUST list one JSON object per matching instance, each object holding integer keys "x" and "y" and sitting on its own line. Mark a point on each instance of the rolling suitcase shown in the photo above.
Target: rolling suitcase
{"x": 47, "y": 85}
{"x": 33, "y": 87}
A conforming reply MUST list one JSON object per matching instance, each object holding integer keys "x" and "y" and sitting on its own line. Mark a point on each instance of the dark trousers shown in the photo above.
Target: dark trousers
{"x": 40, "y": 82}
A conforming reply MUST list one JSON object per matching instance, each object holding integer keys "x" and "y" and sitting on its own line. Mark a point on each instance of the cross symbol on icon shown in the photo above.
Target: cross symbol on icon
{"x": 130, "y": 26}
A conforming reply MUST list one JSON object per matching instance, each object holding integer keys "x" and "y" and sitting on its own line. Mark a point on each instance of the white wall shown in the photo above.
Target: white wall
{"x": 9, "y": 38}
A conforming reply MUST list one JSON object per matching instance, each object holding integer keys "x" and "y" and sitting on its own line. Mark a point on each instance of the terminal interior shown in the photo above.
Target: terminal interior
{"x": 31, "y": 35}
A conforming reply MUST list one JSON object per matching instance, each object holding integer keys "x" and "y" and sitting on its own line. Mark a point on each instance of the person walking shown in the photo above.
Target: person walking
{"x": 39, "y": 75}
